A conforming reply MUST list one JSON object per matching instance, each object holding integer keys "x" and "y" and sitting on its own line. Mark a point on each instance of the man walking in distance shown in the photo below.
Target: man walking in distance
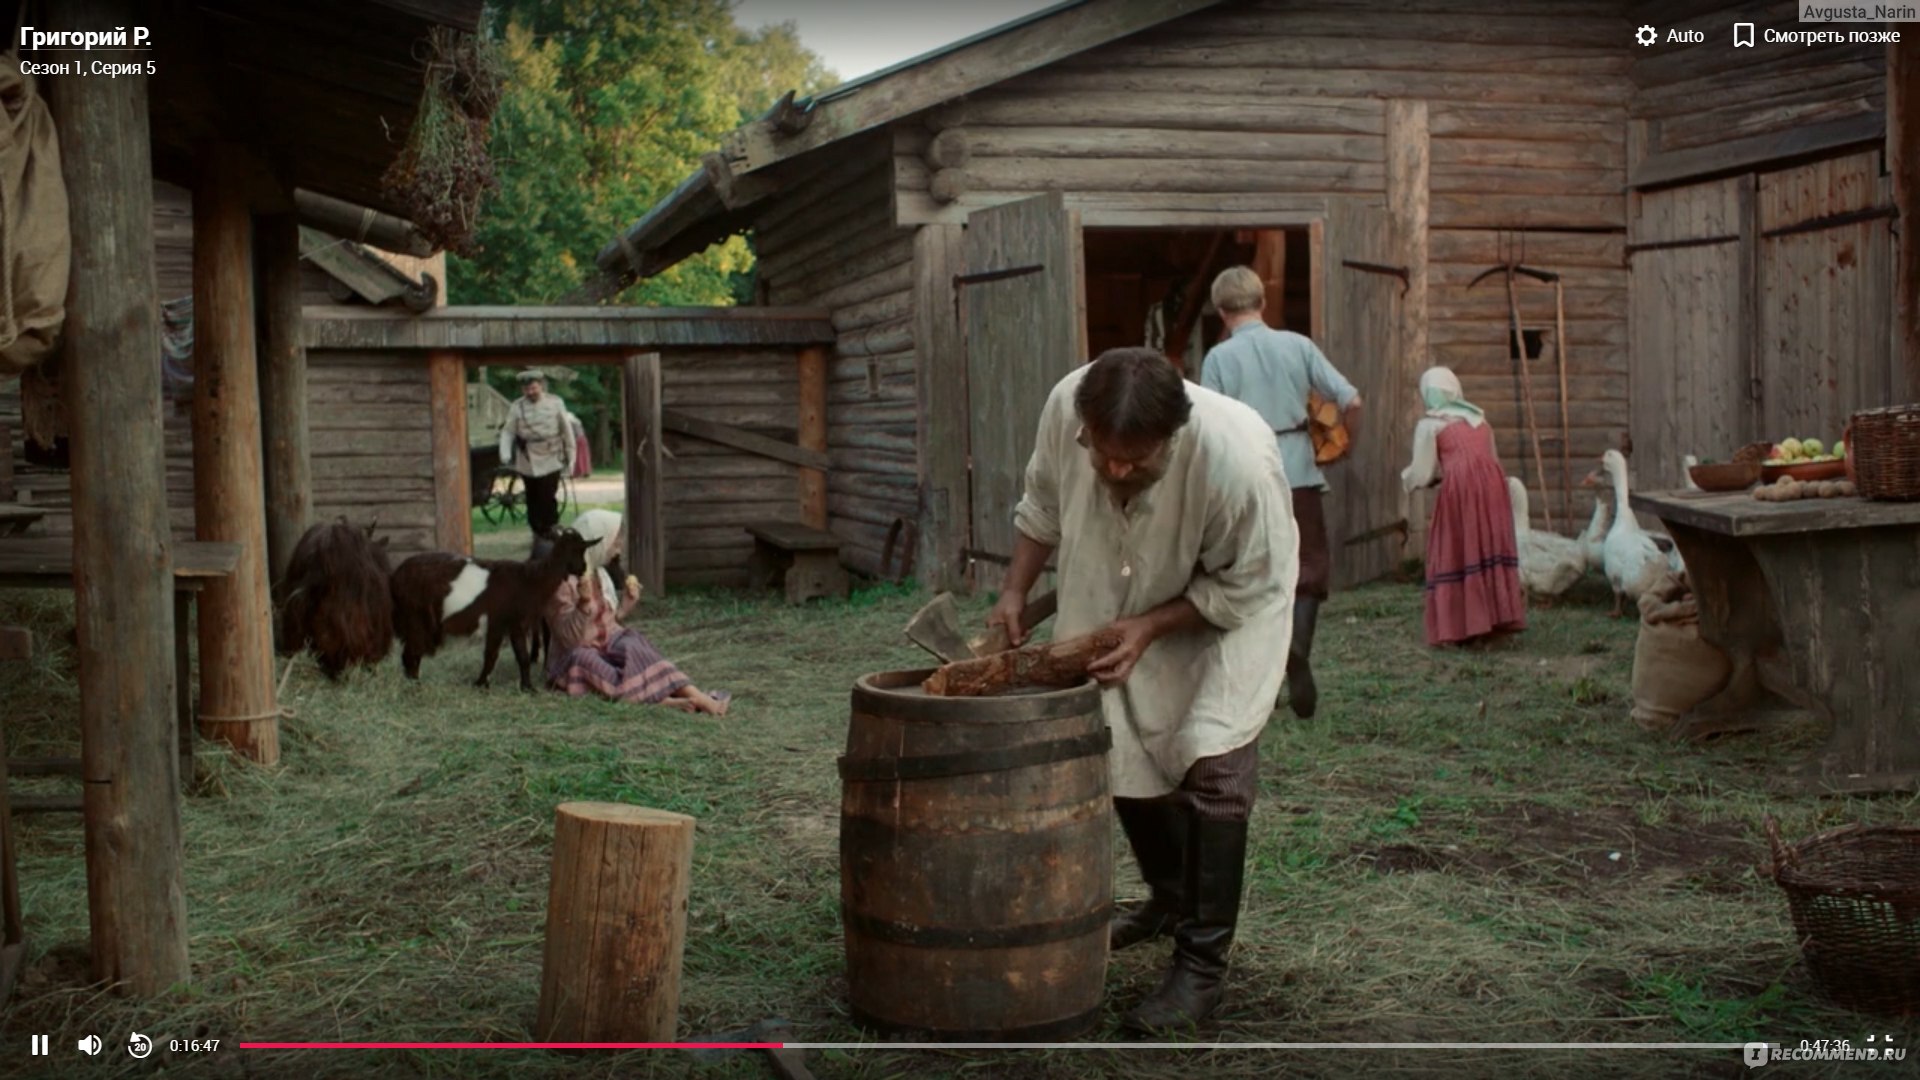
{"x": 1273, "y": 371}
{"x": 537, "y": 442}
{"x": 1170, "y": 515}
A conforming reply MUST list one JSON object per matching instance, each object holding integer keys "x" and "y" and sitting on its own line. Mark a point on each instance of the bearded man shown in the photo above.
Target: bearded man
{"x": 1171, "y": 516}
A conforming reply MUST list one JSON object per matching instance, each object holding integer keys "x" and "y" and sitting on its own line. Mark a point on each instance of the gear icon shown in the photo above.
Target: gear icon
{"x": 1646, "y": 35}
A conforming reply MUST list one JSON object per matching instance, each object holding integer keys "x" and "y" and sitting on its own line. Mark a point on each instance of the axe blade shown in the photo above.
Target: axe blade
{"x": 936, "y": 628}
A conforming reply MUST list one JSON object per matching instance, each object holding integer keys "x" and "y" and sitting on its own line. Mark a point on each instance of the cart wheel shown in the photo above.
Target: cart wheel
{"x": 507, "y": 500}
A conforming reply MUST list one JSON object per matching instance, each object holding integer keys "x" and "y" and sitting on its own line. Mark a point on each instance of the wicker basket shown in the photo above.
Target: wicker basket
{"x": 1855, "y": 897}
{"x": 1883, "y": 452}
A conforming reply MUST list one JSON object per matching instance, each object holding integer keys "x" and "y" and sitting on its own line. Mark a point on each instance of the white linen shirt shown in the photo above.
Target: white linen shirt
{"x": 1218, "y": 529}
{"x": 545, "y": 436}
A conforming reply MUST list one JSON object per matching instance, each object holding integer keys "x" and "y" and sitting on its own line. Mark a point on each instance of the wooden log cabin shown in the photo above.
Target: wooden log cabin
{"x": 980, "y": 219}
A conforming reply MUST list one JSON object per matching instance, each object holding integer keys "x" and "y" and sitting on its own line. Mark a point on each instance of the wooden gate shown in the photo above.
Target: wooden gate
{"x": 1826, "y": 298}
{"x": 1023, "y": 306}
{"x": 1689, "y": 310}
{"x": 1361, "y": 333}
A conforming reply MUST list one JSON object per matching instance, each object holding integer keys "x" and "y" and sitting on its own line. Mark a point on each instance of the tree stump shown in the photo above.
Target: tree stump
{"x": 616, "y": 924}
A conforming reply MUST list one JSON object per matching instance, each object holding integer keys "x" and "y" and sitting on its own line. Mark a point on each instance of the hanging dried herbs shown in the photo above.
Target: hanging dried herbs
{"x": 444, "y": 172}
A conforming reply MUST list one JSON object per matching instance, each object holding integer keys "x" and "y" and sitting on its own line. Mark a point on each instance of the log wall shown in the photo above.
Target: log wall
{"x": 1262, "y": 111}
{"x": 372, "y": 452}
{"x": 714, "y": 491}
{"x": 831, "y": 242}
{"x": 1709, "y": 108}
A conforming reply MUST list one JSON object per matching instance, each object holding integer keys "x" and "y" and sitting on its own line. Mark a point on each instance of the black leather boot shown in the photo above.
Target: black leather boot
{"x": 1157, "y": 831}
{"x": 1216, "y": 869}
{"x": 1302, "y": 696}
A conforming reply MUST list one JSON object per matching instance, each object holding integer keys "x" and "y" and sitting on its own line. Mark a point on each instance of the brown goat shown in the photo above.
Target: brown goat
{"x": 335, "y": 598}
{"x": 438, "y": 593}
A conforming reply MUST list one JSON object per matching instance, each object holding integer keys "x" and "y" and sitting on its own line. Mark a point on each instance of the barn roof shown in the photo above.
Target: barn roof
{"x": 323, "y": 92}
{"x": 760, "y": 157}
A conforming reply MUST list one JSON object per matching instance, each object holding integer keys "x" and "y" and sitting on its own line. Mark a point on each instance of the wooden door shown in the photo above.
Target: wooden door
{"x": 1689, "y": 311}
{"x": 1361, "y": 335}
{"x": 1023, "y": 304}
{"x": 1826, "y": 297}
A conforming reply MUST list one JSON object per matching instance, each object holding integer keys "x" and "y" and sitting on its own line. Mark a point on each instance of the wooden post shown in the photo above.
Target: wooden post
{"x": 813, "y": 433}
{"x": 941, "y": 429}
{"x": 122, "y": 546}
{"x": 646, "y": 548}
{"x": 236, "y": 634}
{"x": 283, "y": 392}
{"x": 452, "y": 487}
{"x": 616, "y": 924}
{"x": 1408, "y": 172}
{"x": 1903, "y": 155}
{"x": 1270, "y": 262}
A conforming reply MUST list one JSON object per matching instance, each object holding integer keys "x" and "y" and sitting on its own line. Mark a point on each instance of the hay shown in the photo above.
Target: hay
{"x": 1429, "y": 860}
{"x": 444, "y": 171}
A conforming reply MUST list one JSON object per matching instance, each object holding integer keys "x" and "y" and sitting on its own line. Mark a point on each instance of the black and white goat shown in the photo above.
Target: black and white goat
{"x": 437, "y": 594}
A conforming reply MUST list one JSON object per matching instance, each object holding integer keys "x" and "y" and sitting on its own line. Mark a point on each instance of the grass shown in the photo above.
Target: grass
{"x": 1462, "y": 845}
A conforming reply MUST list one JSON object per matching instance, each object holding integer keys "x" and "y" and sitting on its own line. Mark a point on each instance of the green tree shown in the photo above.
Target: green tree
{"x": 608, "y": 106}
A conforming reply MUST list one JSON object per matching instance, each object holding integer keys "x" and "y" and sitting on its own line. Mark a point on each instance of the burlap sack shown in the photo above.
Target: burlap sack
{"x": 35, "y": 249}
{"x": 1673, "y": 668}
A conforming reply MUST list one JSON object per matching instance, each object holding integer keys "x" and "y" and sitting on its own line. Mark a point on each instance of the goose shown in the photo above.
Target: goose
{"x": 1595, "y": 534}
{"x": 1549, "y": 563}
{"x": 1632, "y": 559}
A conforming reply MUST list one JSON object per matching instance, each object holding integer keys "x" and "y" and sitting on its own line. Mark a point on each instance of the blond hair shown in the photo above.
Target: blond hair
{"x": 1238, "y": 289}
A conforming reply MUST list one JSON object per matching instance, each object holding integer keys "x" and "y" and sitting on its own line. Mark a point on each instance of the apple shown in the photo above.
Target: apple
{"x": 1790, "y": 448}
{"x": 1812, "y": 448}
{"x": 1840, "y": 452}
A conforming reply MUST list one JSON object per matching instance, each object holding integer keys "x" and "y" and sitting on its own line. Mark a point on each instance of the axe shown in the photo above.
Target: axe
{"x": 936, "y": 628}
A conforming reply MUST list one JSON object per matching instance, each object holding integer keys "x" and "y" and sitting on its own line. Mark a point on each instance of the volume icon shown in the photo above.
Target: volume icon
{"x": 89, "y": 1045}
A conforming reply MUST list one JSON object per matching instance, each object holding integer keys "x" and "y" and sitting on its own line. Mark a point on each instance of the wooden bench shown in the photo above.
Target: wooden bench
{"x": 804, "y": 559}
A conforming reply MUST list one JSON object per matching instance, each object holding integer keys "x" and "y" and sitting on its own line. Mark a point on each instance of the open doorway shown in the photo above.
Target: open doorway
{"x": 1149, "y": 286}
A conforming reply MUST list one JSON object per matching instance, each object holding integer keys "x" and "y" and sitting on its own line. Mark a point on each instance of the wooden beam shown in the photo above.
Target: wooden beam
{"x": 646, "y": 554}
{"x": 122, "y": 546}
{"x": 1270, "y": 262}
{"x": 742, "y": 439}
{"x": 1409, "y": 163}
{"x": 283, "y": 392}
{"x": 360, "y": 224}
{"x": 972, "y": 66}
{"x": 1701, "y": 162}
{"x": 452, "y": 491}
{"x": 813, "y": 434}
{"x": 236, "y": 639}
{"x": 941, "y": 428}
{"x": 1903, "y": 156}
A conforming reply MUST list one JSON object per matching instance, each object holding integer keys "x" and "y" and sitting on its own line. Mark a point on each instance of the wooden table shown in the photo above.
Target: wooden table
{"x": 48, "y": 564}
{"x": 1817, "y": 604}
{"x": 802, "y": 559}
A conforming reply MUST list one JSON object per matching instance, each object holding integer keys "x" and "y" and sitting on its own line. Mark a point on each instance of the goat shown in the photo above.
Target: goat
{"x": 335, "y": 598}
{"x": 437, "y": 593}
{"x": 541, "y": 640}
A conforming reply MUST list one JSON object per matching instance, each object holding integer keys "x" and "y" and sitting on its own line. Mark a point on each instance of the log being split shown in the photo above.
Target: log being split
{"x": 1056, "y": 663}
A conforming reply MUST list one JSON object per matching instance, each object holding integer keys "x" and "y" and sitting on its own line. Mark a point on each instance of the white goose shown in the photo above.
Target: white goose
{"x": 1633, "y": 562}
{"x": 1595, "y": 534}
{"x": 1550, "y": 564}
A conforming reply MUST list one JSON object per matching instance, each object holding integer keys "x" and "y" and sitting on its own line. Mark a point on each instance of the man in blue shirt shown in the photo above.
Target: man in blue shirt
{"x": 1274, "y": 371}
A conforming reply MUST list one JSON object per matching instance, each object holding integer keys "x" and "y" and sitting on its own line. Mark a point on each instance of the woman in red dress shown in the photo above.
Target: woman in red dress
{"x": 1473, "y": 563}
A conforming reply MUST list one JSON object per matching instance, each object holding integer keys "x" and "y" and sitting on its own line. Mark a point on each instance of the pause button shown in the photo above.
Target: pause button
{"x": 41, "y": 1045}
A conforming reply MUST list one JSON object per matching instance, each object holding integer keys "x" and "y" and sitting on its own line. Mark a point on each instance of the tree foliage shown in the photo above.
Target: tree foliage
{"x": 608, "y": 106}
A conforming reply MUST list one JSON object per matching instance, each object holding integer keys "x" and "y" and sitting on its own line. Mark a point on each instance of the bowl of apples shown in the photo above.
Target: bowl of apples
{"x": 1805, "y": 460}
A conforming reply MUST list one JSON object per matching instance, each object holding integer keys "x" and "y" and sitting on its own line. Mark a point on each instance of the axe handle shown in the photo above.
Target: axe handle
{"x": 995, "y": 640}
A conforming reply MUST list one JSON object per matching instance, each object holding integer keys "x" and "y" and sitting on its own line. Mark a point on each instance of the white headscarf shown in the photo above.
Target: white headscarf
{"x": 603, "y": 528}
{"x": 1440, "y": 390}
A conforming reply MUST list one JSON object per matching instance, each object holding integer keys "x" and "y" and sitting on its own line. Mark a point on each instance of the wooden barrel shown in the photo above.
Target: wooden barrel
{"x": 976, "y": 862}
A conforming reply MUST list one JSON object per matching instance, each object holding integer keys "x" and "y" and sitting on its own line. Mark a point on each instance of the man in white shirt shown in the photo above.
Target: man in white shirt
{"x": 1273, "y": 371}
{"x": 537, "y": 442}
{"x": 1170, "y": 513}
